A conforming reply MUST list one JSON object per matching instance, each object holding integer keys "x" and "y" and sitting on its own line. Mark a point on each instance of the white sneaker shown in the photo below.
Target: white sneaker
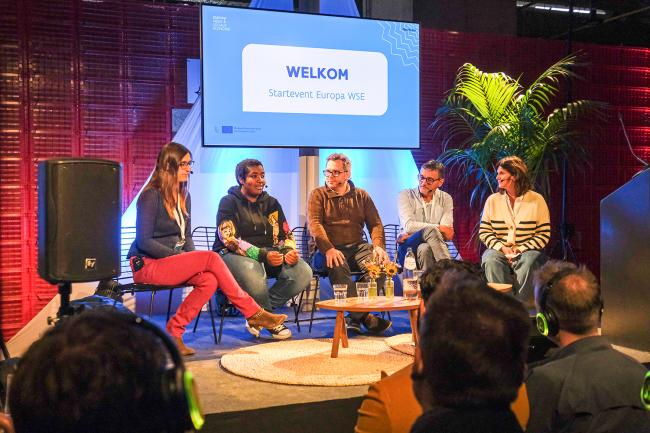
{"x": 280, "y": 332}
{"x": 254, "y": 330}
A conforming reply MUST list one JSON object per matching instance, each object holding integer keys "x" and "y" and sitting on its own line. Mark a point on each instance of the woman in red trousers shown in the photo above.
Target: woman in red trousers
{"x": 163, "y": 251}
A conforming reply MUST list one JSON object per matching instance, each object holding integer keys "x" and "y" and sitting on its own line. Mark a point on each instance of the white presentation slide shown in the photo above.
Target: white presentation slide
{"x": 280, "y": 79}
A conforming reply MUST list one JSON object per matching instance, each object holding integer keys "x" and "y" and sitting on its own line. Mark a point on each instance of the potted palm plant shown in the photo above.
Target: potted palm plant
{"x": 491, "y": 115}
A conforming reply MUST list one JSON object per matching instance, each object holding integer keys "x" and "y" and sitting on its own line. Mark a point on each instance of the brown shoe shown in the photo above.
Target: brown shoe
{"x": 185, "y": 351}
{"x": 266, "y": 320}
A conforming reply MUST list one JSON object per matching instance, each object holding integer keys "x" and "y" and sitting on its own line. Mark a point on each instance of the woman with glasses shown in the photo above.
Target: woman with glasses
{"x": 515, "y": 228}
{"x": 426, "y": 214}
{"x": 163, "y": 252}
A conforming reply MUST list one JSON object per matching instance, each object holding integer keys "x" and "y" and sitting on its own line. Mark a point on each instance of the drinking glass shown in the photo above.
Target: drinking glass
{"x": 340, "y": 293}
{"x": 410, "y": 286}
{"x": 362, "y": 290}
{"x": 417, "y": 274}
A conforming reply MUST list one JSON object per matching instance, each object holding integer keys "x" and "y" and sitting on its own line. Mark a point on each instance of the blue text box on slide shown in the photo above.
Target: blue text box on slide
{"x": 298, "y": 80}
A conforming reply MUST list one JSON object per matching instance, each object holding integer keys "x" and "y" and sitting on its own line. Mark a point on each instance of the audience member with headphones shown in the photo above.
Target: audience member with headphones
{"x": 104, "y": 372}
{"x": 586, "y": 385}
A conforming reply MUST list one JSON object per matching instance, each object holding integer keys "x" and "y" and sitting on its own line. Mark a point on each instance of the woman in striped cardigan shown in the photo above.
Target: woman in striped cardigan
{"x": 515, "y": 228}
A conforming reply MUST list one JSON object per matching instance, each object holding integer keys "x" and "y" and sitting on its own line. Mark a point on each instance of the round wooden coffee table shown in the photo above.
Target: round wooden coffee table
{"x": 375, "y": 303}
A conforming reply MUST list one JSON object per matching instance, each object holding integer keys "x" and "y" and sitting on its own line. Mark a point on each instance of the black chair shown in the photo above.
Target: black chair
{"x": 125, "y": 280}
{"x": 204, "y": 237}
{"x": 453, "y": 251}
{"x": 391, "y": 233}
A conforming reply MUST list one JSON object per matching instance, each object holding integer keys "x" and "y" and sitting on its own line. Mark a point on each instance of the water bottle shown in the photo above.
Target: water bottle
{"x": 409, "y": 263}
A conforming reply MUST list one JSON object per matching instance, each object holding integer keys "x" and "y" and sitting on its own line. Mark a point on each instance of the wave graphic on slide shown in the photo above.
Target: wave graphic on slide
{"x": 403, "y": 41}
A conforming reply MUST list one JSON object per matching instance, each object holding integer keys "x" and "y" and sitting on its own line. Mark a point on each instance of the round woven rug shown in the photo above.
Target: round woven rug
{"x": 402, "y": 343}
{"x": 308, "y": 362}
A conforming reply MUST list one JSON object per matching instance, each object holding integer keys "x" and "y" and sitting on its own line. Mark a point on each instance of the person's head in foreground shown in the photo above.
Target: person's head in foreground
{"x": 473, "y": 343}
{"x": 568, "y": 301}
{"x": 102, "y": 372}
{"x": 432, "y": 276}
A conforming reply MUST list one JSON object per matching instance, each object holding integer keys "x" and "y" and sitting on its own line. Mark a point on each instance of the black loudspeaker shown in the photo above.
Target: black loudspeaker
{"x": 79, "y": 219}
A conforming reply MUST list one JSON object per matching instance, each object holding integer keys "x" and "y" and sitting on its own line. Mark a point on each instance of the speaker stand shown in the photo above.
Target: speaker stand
{"x": 65, "y": 289}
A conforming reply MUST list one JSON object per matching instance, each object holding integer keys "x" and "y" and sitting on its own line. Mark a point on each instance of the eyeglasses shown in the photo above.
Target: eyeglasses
{"x": 428, "y": 180}
{"x": 185, "y": 164}
{"x": 333, "y": 173}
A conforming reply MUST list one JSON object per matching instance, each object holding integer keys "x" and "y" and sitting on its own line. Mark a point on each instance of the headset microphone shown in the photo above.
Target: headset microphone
{"x": 191, "y": 172}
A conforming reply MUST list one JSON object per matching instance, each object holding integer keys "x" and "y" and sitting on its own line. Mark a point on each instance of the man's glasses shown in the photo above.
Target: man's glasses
{"x": 333, "y": 173}
{"x": 428, "y": 180}
{"x": 185, "y": 164}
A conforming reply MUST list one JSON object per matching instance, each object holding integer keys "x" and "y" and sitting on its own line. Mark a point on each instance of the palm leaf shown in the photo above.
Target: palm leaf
{"x": 488, "y": 116}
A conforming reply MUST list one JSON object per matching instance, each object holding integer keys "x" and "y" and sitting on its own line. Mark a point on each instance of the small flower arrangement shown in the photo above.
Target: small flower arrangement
{"x": 376, "y": 270}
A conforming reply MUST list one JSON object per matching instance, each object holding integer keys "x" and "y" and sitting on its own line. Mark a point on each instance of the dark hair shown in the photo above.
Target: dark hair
{"x": 432, "y": 276}
{"x": 473, "y": 342}
{"x": 94, "y": 372}
{"x": 165, "y": 176}
{"x": 432, "y": 164}
{"x": 575, "y": 298}
{"x": 517, "y": 168}
{"x": 243, "y": 168}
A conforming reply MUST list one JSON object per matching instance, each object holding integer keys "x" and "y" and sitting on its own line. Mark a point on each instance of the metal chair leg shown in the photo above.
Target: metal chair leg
{"x": 295, "y": 306}
{"x": 169, "y": 303}
{"x": 196, "y": 321}
{"x": 214, "y": 329}
{"x": 153, "y": 294}
{"x": 313, "y": 302}
{"x": 223, "y": 315}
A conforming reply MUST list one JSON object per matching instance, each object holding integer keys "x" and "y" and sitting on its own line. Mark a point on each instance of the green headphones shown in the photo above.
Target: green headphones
{"x": 645, "y": 391}
{"x": 546, "y": 319}
{"x": 183, "y": 411}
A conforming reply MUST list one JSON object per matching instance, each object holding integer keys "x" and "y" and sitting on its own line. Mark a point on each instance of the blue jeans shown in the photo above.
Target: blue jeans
{"x": 252, "y": 277}
{"x": 428, "y": 245}
{"x": 498, "y": 270}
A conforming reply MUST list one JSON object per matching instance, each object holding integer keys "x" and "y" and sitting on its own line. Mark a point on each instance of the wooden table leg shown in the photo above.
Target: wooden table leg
{"x": 344, "y": 331}
{"x": 337, "y": 333}
{"x": 413, "y": 317}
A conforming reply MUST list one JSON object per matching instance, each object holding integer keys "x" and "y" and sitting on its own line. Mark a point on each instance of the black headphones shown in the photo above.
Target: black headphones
{"x": 182, "y": 408}
{"x": 546, "y": 319}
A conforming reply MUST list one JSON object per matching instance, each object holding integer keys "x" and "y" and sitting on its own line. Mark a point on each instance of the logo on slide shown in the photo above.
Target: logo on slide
{"x": 285, "y": 79}
{"x": 226, "y": 129}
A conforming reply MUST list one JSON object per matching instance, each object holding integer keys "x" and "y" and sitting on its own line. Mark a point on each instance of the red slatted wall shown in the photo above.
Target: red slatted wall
{"x": 616, "y": 75}
{"x": 99, "y": 79}
{"x": 80, "y": 78}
